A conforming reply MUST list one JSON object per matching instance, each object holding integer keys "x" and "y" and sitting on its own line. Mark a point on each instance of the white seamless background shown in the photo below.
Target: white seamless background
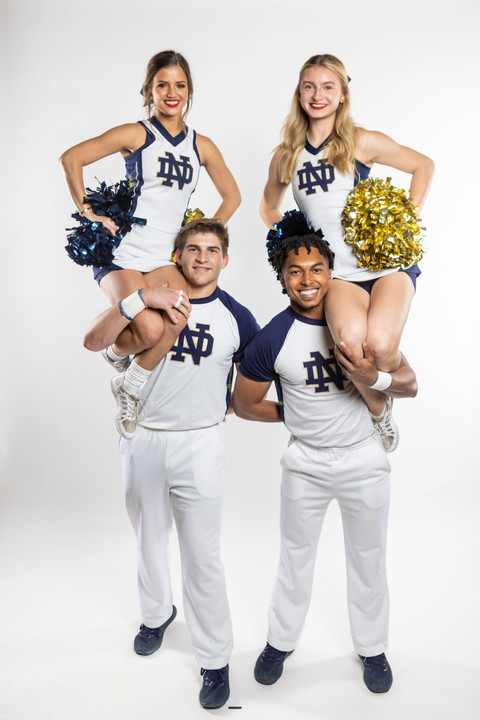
{"x": 68, "y": 604}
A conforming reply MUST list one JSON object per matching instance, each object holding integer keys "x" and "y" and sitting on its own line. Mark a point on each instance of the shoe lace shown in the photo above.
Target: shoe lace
{"x": 384, "y": 424}
{"x": 129, "y": 406}
{"x": 271, "y": 654}
{"x": 378, "y": 661}
{"x": 146, "y": 632}
{"x": 214, "y": 676}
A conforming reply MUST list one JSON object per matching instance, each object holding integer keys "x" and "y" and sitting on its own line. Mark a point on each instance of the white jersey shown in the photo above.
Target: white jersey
{"x": 163, "y": 174}
{"x": 320, "y": 406}
{"x": 190, "y": 388}
{"x": 321, "y": 193}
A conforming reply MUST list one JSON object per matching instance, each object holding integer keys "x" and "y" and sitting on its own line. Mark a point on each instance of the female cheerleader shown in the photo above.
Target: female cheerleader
{"x": 323, "y": 154}
{"x": 163, "y": 159}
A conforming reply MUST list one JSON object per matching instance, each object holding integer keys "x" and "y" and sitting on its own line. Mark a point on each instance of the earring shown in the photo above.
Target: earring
{"x": 342, "y": 101}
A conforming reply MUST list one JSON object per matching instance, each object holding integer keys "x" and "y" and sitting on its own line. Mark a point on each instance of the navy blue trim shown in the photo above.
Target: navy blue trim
{"x": 313, "y": 150}
{"x": 307, "y": 320}
{"x": 202, "y": 301}
{"x": 362, "y": 172}
{"x": 134, "y": 166}
{"x": 163, "y": 131}
{"x": 195, "y": 147}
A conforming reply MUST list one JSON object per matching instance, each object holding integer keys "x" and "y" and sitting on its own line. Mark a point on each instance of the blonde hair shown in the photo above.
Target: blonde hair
{"x": 340, "y": 148}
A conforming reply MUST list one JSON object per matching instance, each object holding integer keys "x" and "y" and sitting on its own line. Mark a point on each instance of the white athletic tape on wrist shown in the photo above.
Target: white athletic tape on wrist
{"x": 383, "y": 381}
{"x": 132, "y": 305}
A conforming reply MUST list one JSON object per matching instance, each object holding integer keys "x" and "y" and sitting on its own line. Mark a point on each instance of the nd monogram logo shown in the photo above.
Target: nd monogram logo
{"x": 310, "y": 177}
{"x": 197, "y": 343}
{"x": 173, "y": 170}
{"x": 322, "y": 371}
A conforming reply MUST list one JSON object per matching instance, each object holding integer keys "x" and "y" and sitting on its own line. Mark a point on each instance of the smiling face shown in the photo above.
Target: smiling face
{"x": 169, "y": 91}
{"x": 202, "y": 260}
{"x": 320, "y": 92}
{"x": 305, "y": 277}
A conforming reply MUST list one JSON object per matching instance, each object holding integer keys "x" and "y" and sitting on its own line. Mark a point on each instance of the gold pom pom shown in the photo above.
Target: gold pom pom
{"x": 191, "y": 215}
{"x": 381, "y": 224}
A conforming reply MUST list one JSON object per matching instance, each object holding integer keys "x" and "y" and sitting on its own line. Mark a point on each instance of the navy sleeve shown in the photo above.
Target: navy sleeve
{"x": 258, "y": 363}
{"x": 247, "y": 325}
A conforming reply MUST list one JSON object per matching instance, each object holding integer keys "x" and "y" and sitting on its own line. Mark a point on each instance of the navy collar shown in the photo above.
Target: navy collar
{"x": 163, "y": 131}
{"x": 314, "y": 150}
{"x": 302, "y": 318}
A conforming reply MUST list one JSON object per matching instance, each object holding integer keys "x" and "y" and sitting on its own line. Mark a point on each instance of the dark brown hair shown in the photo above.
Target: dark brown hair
{"x": 166, "y": 58}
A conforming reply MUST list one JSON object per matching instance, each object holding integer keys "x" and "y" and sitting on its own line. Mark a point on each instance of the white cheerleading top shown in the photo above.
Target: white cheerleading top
{"x": 321, "y": 193}
{"x": 190, "y": 388}
{"x": 163, "y": 174}
{"x": 319, "y": 405}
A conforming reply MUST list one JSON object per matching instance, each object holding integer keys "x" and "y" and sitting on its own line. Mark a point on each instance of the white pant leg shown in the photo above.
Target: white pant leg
{"x": 306, "y": 492}
{"x": 148, "y": 506}
{"x": 195, "y": 467}
{"x": 363, "y": 493}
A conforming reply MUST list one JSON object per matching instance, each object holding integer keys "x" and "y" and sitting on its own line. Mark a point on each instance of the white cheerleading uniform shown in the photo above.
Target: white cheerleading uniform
{"x": 321, "y": 193}
{"x": 163, "y": 174}
{"x": 173, "y": 469}
{"x": 332, "y": 454}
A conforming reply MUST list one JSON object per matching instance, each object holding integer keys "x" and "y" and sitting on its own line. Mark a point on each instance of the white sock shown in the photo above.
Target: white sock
{"x": 113, "y": 355}
{"x": 135, "y": 378}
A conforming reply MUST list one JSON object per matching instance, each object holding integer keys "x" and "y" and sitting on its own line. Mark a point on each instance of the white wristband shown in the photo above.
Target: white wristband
{"x": 132, "y": 305}
{"x": 383, "y": 381}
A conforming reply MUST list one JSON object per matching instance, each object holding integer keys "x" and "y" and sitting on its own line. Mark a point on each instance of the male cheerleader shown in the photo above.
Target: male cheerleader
{"x": 333, "y": 453}
{"x": 173, "y": 463}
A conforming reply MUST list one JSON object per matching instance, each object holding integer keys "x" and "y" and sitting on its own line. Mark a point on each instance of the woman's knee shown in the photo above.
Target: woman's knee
{"x": 147, "y": 329}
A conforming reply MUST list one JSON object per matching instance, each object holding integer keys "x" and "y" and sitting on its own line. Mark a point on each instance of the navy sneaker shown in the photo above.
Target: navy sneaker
{"x": 378, "y": 673}
{"x": 269, "y": 665}
{"x": 215, "y": 688}
{"x": 150, "y": 639}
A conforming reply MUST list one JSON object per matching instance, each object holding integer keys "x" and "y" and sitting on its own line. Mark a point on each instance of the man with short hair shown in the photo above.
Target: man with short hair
{"x": 333, "y": 453}
{"x": 173, "y": 463}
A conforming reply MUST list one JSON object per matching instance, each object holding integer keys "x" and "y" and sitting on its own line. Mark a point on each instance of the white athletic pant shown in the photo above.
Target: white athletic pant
{"x": 175, "y": 474}
{"x": 358, "y": 478}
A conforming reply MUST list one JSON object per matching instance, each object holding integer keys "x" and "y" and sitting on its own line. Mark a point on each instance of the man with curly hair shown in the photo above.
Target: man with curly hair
{"x": 334, "y": 453}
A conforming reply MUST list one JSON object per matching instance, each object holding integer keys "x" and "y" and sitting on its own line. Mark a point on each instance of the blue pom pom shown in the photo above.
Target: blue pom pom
{"x": 292, "y": 224}
{"x": 89, "y": 243}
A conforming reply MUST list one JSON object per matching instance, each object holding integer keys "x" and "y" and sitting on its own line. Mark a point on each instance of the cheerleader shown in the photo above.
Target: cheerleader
{"x": 163, "y": 158}
{"x": 323, "y": 155}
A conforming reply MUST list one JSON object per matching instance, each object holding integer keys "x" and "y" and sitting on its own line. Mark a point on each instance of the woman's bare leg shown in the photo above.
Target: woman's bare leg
{"x": 346, "y": 308}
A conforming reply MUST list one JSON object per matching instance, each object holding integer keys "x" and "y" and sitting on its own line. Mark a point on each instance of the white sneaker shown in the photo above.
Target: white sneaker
{"x": 385, "y": 426}
{"x": 119, "y": 365}
{"x": 126, "y": 420}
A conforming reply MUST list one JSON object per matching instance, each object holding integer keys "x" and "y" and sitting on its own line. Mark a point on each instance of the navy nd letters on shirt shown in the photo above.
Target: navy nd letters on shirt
{"x": 312, "y": 176}
{"x": 196, "y": 343}
{"x": 323, "y": 370}
{"x": 173, "y": 170}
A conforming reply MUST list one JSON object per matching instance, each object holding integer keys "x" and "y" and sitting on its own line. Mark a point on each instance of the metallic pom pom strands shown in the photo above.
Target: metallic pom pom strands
{"x": 89, "y": 243}
{"x": 191, "y": 215}
{"x": 292, "y": 223}
{"x": 381, "y": 224}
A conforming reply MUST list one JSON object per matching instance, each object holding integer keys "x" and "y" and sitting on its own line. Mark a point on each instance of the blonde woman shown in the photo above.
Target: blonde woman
{"x": 163, "y": 159}
{"x": 323, "y": 155}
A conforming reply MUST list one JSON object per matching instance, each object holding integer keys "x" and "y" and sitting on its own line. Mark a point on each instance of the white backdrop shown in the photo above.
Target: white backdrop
{"x": 69, "y": 610}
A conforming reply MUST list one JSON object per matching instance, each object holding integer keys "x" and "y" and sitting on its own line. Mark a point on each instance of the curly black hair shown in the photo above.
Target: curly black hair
{"x": 295, "y": 242}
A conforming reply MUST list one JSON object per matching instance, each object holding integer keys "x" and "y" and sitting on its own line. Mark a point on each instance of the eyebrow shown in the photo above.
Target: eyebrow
{"x": 302, "y": 267}
{"x": 197, "y": 247}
